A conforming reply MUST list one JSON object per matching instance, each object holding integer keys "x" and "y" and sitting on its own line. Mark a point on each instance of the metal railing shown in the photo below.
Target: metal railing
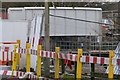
{"x": 69, "y": 45}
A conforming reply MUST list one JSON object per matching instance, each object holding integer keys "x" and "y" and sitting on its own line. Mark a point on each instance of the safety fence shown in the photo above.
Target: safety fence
{"x": 74, "y": 57}
{"x": 6, "y": 50}
{"x": 57, "y": 55}
{"x": 19, "y": 74}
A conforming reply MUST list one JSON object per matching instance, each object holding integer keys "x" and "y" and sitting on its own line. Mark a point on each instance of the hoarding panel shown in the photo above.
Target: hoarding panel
{"x": 69, "y": 27}
{"x": 29, "y": 14}
{"x": 14, "y": 30}
{"x": 80, "y": 14}
{"x": 16, "y": 14}
{"x": 59, "y": 23}
{"x": 70, "y": 24}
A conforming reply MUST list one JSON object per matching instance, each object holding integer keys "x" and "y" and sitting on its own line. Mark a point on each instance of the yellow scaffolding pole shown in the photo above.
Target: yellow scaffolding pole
{"x": 27, "y": 57}
{"x": 57, "y": 50}
{"x": 39, "y": 61}
{"x": 14, "y": 63}
{"x": 111, "y": 67}
{"x": 79, "y": 65}
{"x": 18, "y": 54}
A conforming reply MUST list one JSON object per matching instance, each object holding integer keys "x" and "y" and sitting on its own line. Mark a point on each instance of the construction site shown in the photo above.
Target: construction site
{"x": 52, "y": 40}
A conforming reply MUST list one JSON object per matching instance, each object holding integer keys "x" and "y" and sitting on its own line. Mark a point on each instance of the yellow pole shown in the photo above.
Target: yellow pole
{"x": 111, "y": 67}
{"x": 79, "y": 65}
{"x": 27, "y": 57}
{"x": 14, "y": 60}
{"x": 39, "y": 61}
{"x": 18, "y": 55}
{"x": 57, "y": 49}
{"x": 18, "y": 60}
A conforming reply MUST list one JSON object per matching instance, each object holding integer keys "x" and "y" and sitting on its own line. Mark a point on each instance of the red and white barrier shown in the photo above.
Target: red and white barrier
{"x": 18, "y": 74}
{"x": 93, "y": 59}
{"x": 22, "y": 51}
{"x": 84, "y": 59}
{"x": 47, "y": 54}
{"x": 116, "y": 61}
{"x": 5, "y": 56}
{"x": 31, "y": 51}
{"x": 30, "y": 75}
{"x": 71, "y": 57}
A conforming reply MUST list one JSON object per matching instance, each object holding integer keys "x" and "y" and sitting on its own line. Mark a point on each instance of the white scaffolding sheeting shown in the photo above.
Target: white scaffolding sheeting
{"x": 117, "y": 55}
{"x": 35, "y": 31}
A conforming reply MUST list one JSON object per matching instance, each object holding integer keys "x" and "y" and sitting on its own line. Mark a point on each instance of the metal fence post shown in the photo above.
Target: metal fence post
{"x": 111, "y": 67}
{"x": 79, "y": 65}
{"x": 14, "y": 60}
{"x": 18, "y": 54}
{"x": 57, "y": 50}
{"x": 39, "y": 61}
{"x": 27, "y": 57}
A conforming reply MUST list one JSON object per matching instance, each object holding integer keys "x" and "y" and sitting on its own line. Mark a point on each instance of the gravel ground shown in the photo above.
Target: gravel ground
{"x": 99, "y": 69}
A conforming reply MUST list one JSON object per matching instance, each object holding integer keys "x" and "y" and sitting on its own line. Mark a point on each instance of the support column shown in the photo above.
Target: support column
{"x": 46, "y": 62}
